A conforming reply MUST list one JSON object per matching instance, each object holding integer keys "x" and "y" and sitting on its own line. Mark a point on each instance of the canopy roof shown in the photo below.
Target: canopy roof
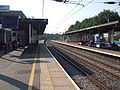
{"x": 37, "y": 24}
{"x": 102, "y": 28}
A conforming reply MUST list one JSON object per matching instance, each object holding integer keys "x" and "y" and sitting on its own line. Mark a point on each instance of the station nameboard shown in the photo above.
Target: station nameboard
{"x": 10, "y": 22}
{"x": 4, "y": 8}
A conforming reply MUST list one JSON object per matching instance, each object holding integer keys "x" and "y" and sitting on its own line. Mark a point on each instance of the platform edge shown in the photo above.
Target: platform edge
{"x": 64, "y": 71}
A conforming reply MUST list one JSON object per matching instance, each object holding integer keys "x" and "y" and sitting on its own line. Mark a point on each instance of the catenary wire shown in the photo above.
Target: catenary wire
{"x": 75, "y": 12}
{"x": 68, "y": 13}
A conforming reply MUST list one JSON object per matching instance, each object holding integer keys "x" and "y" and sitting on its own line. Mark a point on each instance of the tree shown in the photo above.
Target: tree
{"x": 107, "y": 16}
{"x": 71, "y": 28}
{"x": 103, "y": 17}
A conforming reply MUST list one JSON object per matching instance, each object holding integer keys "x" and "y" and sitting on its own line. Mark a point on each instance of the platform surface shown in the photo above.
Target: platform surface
{"x": 22, "y": 69}
{"x": 52, "y": 76}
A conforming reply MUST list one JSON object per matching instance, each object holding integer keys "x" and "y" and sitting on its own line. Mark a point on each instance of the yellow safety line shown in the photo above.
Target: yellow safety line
{"x": 32, "y": 76}
{"x": 32, "y": 73}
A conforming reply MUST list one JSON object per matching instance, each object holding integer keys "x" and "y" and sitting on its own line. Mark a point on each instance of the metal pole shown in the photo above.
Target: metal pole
{"x": 5, "y": 36}
{"x": 99, "y": 42}
{"x": 5, "y": 41}
{"x": 30, "y": 32}
{"x": 43, "y": 9}
{"x": 111, "y": 37}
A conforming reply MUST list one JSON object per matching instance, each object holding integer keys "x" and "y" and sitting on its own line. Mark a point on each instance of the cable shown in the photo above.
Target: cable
{"x": 116, "y": 8}
{"x": 72, "y": 9}
{"x": 77, "y": 11}
{"x": 68, "y": 13}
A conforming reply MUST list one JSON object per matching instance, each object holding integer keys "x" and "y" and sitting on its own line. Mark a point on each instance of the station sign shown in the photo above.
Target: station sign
{"x": 4, "y": 8}
{"x": 10, "y": 22}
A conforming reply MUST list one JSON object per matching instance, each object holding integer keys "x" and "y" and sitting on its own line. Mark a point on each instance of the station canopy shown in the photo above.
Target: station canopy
{"x": 23, "y": 22}
{"x": 103, "y": 28}
{"x": 37, "y": 24}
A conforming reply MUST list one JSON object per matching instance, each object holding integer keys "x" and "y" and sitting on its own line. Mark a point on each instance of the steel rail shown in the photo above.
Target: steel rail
{"x": 88, "y": 76}
{"x": 92, "y": 63}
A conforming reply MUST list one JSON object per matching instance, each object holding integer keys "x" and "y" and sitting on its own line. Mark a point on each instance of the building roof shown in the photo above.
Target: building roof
{"x": 37, "y": 24}
{"x": 103, "y": 28}
{"x": 13, "y": 13}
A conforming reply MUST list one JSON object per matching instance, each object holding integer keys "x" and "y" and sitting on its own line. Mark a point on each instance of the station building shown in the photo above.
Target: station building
{"x": 15, "y": 26}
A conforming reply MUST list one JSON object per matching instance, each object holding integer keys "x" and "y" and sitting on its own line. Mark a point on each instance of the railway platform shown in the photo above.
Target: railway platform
{"x": 94, "y": 49}
{"x": 35, "y": 70}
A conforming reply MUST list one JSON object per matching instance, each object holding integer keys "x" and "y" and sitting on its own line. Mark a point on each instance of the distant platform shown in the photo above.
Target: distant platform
{"x": 94, "y": 49}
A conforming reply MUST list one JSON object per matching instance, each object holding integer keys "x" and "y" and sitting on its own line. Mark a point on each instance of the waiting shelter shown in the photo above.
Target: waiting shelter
{"x": 99, "y": 34}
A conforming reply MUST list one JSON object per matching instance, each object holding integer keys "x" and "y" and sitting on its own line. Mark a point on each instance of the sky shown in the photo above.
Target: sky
{"x": 60, "y": 15}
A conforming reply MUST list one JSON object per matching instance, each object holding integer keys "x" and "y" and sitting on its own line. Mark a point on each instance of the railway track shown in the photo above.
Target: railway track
{"x": 91, "y": 62}
{"x": 87, "y": 59}
{"x": 89, "y": 77}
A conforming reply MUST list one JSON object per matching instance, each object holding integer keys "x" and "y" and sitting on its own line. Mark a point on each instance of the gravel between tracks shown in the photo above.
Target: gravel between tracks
{"x": 110, "y": 82}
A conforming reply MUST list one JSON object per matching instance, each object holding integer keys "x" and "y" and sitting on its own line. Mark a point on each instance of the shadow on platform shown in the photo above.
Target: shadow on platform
{"x": 16, "y": 83}
{"x": 26, "y": 61}
{"x": 28, "y": 57}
